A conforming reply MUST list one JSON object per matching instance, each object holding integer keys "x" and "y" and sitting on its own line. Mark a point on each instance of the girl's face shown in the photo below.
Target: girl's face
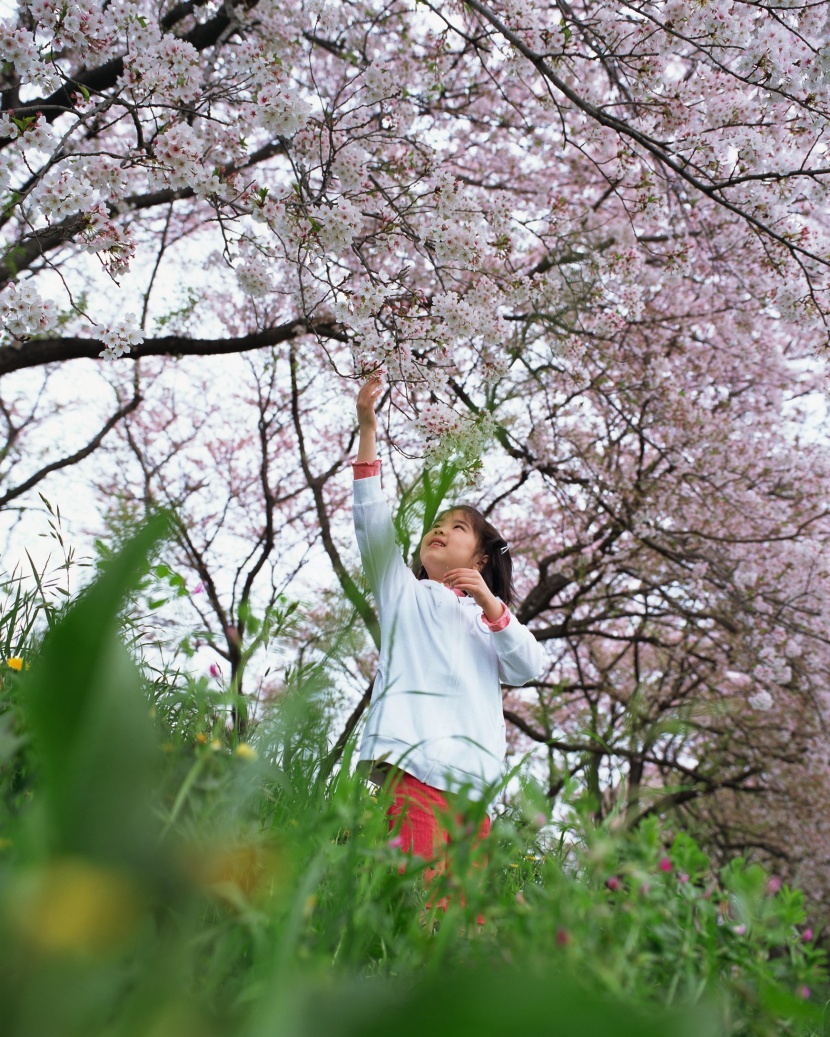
{"x": 450, "y": 544}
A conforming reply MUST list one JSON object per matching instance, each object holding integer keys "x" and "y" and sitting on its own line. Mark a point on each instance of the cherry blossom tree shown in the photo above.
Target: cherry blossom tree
{"x": 588, "y": 244}
{"x": 399, "y": 174}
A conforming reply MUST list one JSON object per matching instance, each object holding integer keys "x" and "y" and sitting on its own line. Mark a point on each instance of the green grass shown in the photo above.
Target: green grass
{"x": 157, "y": 878}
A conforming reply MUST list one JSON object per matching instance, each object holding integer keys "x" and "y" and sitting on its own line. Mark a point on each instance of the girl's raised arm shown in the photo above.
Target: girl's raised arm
{"x": 367, "y": 421}
{"x": 383, "y": 562}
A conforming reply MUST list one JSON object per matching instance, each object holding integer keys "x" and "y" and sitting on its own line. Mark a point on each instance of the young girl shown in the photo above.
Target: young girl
{"x": 435, "y": 724}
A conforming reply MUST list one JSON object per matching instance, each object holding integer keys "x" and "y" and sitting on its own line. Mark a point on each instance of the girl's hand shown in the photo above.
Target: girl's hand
{"x": 471, "y": 581}
{"x": 366, "y": 398}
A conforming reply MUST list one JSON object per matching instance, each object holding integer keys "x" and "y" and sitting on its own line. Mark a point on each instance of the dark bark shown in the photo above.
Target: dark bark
{"x": 38, "y": 352}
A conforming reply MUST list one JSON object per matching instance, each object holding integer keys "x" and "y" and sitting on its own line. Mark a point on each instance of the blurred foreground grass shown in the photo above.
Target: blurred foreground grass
{"x": 159, "y": 880}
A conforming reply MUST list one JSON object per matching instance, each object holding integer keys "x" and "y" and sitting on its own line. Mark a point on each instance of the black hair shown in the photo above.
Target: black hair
{"x": 498, "y": 569}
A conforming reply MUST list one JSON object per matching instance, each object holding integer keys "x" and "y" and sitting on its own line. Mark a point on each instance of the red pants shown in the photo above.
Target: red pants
{"x": 422, "y": 813}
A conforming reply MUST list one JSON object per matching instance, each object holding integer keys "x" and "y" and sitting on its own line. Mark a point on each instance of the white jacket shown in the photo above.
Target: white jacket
{"x": 436, "y": 708}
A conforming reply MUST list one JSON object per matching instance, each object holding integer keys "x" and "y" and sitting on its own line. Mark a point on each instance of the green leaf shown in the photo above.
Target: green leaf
{"x": 10, "y": 741}
{"x": 90, "y": 723}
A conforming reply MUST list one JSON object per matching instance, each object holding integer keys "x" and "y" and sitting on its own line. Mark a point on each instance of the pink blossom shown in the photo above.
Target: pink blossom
{"x": 214, "y": 671}
{"x": 740, "y": 930}
{"x": 807, "y": 935}
{"x": 563, "y": 937}
{"x": 803, "y": 992}
{"x": 664, "y": 864}
{"x": 613, "y": 883}
{"x": 683, "y": 878}
{"x": 396, "y": 842}
{"x": 199, "y": 588}
{"x": 774, "y": 883}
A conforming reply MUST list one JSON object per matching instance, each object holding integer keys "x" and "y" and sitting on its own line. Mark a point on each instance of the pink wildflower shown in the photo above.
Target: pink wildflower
{"x": 214, "y": 671}
{"x": 740, "y": 930}
{"x": 683, "y": 877}
{"x": 807, "y": 935}
{"x": 396, "y": 842}
{"x": 563, "y": 937}
{"x": 613, "y": 883}
{"x": 664, "y": 864}
{"x": 803, "y": 992}
{"x": 774, "y": 883}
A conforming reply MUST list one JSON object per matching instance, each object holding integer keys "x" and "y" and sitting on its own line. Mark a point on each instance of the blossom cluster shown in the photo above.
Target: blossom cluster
{"x": 120, "y": 336}
{"x": 254, "y": 270}
{"x": 280, "y": 110}
{"x": 179, "y": 151}
{"x": 19, "y": 50}
{"x": 454, "y": 438}
{"x": 335, "y": 225}
{"x": 162, "y": 66}
{"x": 24, "y": 313}
{"x": 113, "y": 242}
{"x": 65, "y": 24}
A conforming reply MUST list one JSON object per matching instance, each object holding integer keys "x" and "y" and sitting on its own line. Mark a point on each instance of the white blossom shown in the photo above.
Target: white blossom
{"x": 280, "y": 111}
{"x": 23, "y": 312}
{"x": 180, "y": 151}
{"x": 120, "y": 337}
{"x": 336, "y": 225}
{"x": 379, "y": 83}
{"x": 761, "y": 700}
{"x": 254, "y": 276}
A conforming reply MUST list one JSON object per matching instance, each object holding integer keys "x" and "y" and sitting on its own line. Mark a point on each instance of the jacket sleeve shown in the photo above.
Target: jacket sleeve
{"x": 383, "y": 562}
{"x": 521, "y": 657}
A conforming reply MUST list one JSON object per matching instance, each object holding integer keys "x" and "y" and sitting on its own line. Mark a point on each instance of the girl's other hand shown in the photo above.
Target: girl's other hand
{"x": 472, "y": 582}
{"x": 366, "y": 399}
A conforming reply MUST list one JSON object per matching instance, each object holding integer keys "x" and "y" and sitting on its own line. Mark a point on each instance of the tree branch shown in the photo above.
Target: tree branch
{"x": 338, "y": 747}
{"x": 79, "y": 455}
{"x": 41, "y": 351}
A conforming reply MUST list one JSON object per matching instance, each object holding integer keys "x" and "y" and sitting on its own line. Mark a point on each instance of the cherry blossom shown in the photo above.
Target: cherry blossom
{"x": 120, "y": 336}
{"x": 23, "y": 312}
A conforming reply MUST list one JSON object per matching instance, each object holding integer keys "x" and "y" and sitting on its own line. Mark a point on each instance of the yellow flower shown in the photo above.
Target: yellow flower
{"x": 15, "y": 663}
{"x": 247, "y": 752}
{"x": 251, "y": 869}
{"x": 74, "y": 906}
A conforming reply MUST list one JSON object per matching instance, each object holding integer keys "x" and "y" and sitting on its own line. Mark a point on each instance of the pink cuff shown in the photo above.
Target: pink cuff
{"x": 365, "y": 469}
{"x": 498, "y": 624}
